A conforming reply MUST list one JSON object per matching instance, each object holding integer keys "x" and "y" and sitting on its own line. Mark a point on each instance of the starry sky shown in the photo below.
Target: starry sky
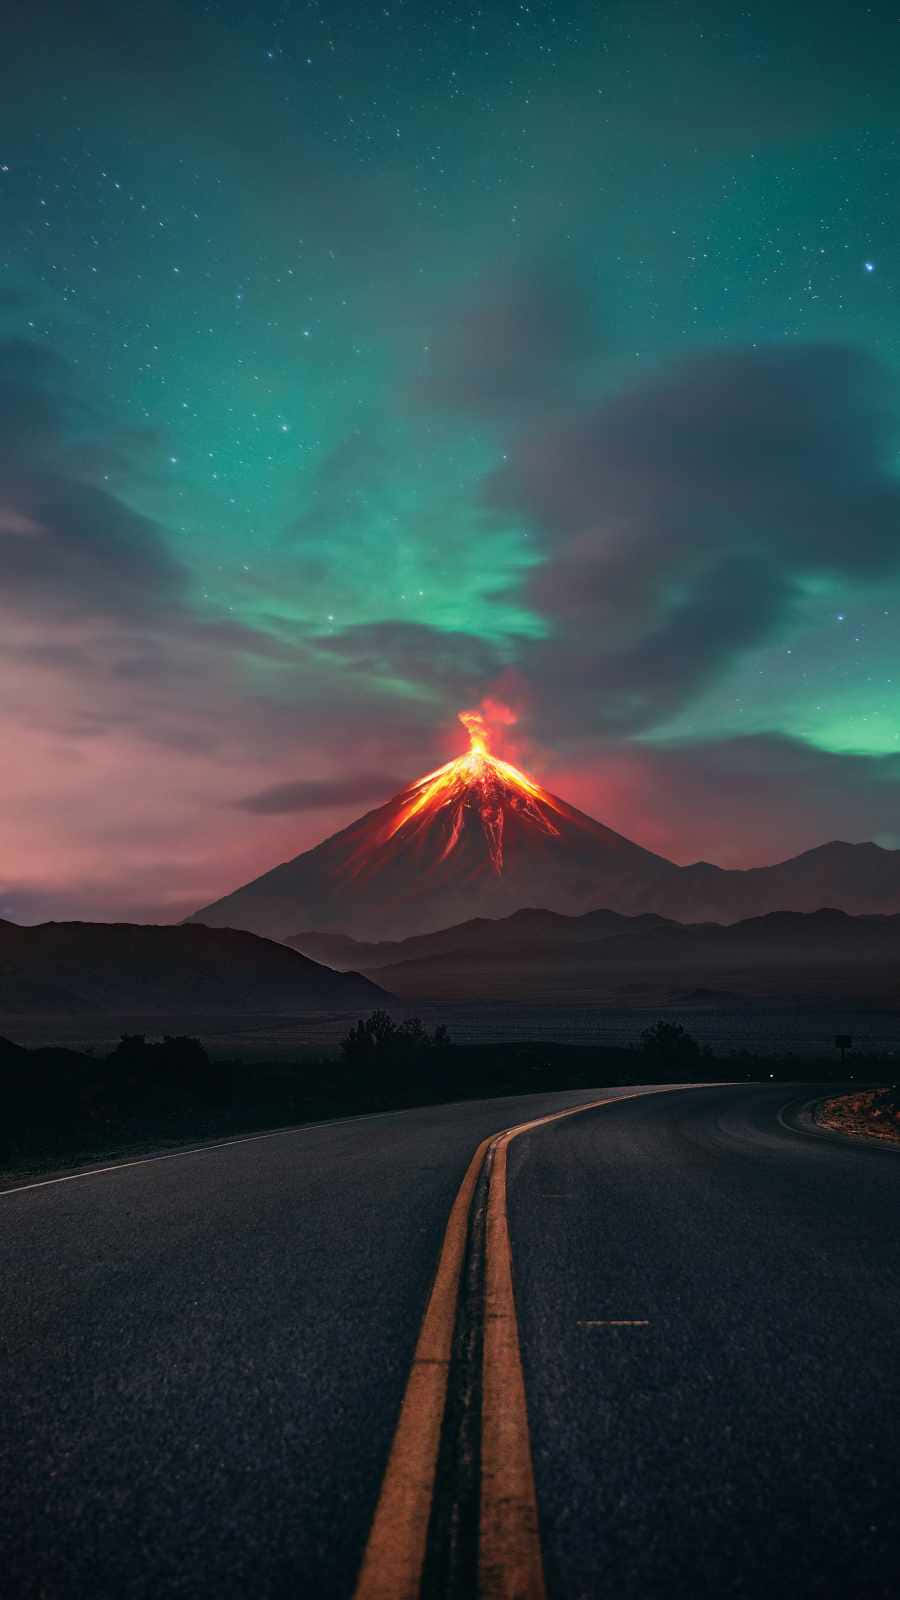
{"x": 359, "y": 363}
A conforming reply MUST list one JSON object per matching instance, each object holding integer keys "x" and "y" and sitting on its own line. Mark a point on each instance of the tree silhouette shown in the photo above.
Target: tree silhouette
{"x": 380, "y": 1044}
{"x": 668, "y": 1047}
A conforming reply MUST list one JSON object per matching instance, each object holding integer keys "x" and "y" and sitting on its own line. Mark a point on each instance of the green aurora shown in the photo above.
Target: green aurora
{"x": 263, "y": 257}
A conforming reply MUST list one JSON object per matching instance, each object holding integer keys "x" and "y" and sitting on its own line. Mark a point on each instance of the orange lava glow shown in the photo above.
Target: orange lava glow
{"x": 475, "y": 781}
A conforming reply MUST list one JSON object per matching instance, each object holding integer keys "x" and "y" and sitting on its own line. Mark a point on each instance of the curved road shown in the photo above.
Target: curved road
{"x": 203, "y": 1358}
{"x": 746, "y": 1441}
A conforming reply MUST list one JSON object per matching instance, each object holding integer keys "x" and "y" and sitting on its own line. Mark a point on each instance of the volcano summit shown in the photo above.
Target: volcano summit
{"x": 477, "y": 837}
{"x": 475, "y": 788}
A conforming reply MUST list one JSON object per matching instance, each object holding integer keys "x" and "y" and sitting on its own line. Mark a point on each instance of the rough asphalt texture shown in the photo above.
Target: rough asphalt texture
{"x": 746, "y": 1442}
{"x": 203, "y": 1358}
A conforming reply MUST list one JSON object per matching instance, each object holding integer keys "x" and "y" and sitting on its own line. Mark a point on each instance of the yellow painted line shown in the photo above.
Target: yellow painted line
{"x": 510, "y": 1563}
{"x": 509, "y": 1542}
{"x": 395, "y": 1552}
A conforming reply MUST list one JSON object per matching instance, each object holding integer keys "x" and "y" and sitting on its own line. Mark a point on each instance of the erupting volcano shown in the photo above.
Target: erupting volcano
{"x": 479, "y": 838}
{"x": 475, "y": 837}
{"x": 476, "y": 784}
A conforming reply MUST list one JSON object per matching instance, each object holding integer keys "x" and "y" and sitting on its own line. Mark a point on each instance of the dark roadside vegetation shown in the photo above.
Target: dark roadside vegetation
{"x": 61, "y": 1108}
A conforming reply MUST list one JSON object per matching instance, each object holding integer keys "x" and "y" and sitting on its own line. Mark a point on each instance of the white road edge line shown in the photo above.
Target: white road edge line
{"x": 197, "y": 1150}
{"x": 224, "y": 1144}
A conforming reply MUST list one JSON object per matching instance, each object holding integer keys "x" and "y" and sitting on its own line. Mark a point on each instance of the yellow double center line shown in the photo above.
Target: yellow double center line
{"x": 510, "y": 1566}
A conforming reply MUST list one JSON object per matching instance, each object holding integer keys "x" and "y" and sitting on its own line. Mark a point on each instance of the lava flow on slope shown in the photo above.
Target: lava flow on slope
{"x": 474, "y": 837}
{"x": 477, "y": 784}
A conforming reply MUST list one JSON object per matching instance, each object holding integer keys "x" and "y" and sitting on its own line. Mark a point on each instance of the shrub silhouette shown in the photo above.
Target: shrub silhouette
{"x": 668, "y": 1047}
{"x": 172, "y": 1074}
{"x": 392, "y": 1049}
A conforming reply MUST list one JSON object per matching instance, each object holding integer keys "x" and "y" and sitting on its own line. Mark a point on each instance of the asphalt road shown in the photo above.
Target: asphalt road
{"x": 202, "y": 1359}
{"x": 746, "y": 1441}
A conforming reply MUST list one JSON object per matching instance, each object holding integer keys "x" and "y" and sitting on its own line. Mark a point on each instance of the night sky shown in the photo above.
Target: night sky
{"x": 362, "y": 362}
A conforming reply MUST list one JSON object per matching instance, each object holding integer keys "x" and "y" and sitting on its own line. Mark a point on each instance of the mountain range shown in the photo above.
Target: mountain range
{"x": 479, "y": 838}
{"x": 605, "y": 958}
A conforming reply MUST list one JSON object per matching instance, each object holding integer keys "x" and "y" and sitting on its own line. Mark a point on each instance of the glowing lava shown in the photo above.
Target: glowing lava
{"x": 475, "y": 783}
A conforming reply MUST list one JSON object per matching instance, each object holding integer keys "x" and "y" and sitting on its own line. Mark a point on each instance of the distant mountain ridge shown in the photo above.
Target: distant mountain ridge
{"x": 75, "y": 967}
{"x": 606, "y": 958}
{"x": 489, "y": 935}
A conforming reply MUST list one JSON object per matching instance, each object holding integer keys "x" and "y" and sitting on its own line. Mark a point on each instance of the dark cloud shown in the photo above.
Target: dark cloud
{"x": 92, "y": 598}
{"x": 679, "y": 518}
{"x": 514, "y": 347}
{"x": 68, "y": 547}
{"x": 452, "y": 664}
{"x": 313, "y": 794}
{"x": 88, "y": 555}
{"x": 735, "y": 801}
